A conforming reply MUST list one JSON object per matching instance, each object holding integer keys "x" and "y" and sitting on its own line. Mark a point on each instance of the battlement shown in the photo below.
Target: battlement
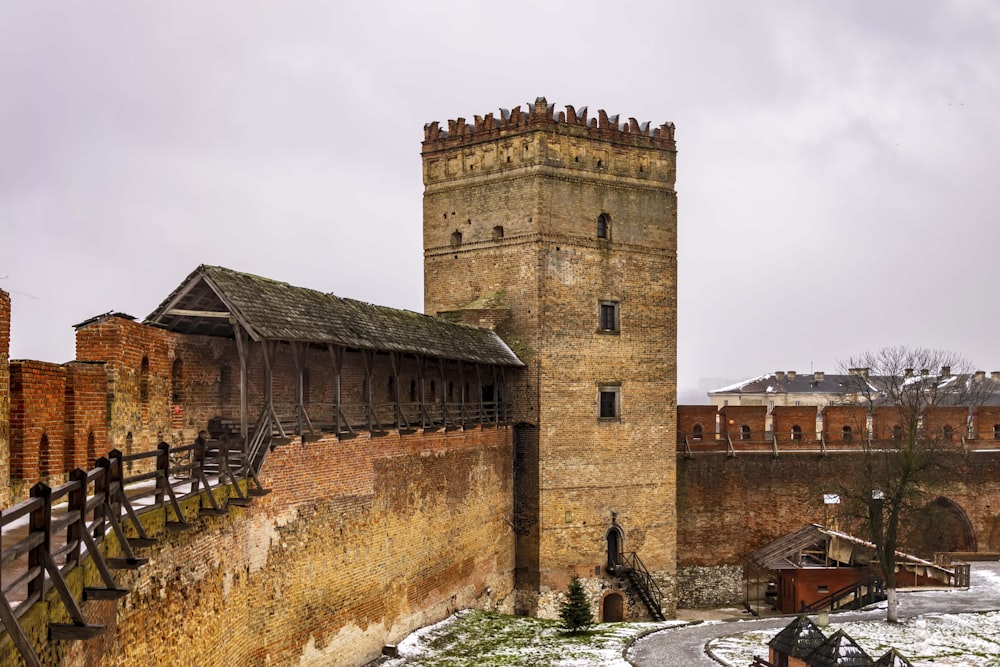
{"x": 541, "y": 115}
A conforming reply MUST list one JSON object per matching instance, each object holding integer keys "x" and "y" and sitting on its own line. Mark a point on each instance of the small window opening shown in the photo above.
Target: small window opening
{"x": 600, "y": 164}
{"x": 608, "y": 316}
{"x": 996, "y": 431}
{"x": 413, "y": 391}
{"x": 604, "y": 226}
{"x": 948, "y": 433}
{"x": 744, "y": 432}
{"x": 846, "y": 434}
{"x": 897, "y": 432}
{"x": 456, "y": 238}
{"x": 498, "y": 232}
{"x": 609, "y": 403}
{"x": 796, "y": 432}
{"x": 433, "y": 390}
{"x": 451, "y": 391}
{"x": 696, "y": 432}
{"x": 306, "y": 386}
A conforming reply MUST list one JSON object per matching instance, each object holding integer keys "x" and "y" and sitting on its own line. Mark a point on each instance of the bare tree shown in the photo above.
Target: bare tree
{"x": 898, "y": 385}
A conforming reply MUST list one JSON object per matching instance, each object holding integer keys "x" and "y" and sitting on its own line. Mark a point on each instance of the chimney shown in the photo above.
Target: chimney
{"x": 779, "y": 376}
{"x": 980, "y": 376}
{"x": 945, "y": 371}
{"x": 907, "y": 372}
{"x": 995, "y": 376}
{"x": 818, "y": 376}
{"x": 924, "y": 372}
{"x": 791, "y": 375}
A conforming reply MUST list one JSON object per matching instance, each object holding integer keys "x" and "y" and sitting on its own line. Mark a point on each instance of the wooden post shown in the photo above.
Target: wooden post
{"x": 76, "y": 502}
{"x": 39, "y": 523}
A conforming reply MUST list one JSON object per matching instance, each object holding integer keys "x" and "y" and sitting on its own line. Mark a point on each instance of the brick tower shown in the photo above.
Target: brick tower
{"x": 561, "y": 233}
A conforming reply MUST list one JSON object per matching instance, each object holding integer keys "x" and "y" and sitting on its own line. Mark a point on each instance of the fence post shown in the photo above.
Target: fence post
{"x": 40, "y": 520}
{"x": 102, "y": 485}
{"x": 77, "y": 502}
{"x": 163, "y": 468}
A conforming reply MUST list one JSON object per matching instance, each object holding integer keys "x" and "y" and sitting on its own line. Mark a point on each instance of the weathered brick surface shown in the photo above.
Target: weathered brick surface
{"x": 545, "y": 183}
{"x": 729, "y": 506}
{"x": 360, "y": 542}
{"x": 4, "y": 399}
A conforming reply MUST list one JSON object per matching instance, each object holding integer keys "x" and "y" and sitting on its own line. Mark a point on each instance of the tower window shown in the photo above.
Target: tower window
{"x": 846, "y": 434}
{"x": 609, "y": 402}
{"x": 744, "y": 432}
{"x": 949, "y": 433}
{"x": 498, "y": 232}
{"x": 604, "y": 226}
{"x": 608, "y": 316}
{"x": 456, "y": 238}
{"x": 796, "y": 432}
{"x": 696, "y": 432}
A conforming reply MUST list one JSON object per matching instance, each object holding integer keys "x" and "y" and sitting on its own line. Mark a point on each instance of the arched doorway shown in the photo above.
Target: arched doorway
{"x": 942, "y": 525}
{"x": 613, "y": 608}
{"x": 616, "y": 541}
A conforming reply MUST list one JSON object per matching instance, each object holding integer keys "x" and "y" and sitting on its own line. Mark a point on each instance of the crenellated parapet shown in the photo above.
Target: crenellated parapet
{"x": 542, "y": 115}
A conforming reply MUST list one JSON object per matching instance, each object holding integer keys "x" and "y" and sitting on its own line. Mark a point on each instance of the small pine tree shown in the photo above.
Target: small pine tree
{"x": 575, "y": 608}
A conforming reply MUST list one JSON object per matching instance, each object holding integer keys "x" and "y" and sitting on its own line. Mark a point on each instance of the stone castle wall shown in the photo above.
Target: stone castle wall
{"x": 550, "y": 216}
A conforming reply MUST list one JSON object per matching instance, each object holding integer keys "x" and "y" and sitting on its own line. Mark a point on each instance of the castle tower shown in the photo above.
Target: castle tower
{"x": 561, "y": 233}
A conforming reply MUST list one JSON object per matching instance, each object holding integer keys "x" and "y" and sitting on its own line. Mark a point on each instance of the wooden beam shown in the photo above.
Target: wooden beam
{"x": 181, "y": 312}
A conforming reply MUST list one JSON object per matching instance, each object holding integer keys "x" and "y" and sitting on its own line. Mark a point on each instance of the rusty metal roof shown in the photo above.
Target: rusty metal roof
{"x": 212, "y": 298}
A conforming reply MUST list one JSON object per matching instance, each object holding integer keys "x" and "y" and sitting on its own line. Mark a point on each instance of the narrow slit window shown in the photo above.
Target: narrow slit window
{"x": 604, "y": 226}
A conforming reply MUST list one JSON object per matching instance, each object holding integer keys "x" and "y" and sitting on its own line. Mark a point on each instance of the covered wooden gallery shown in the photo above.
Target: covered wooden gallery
{"x": 310, "y": 361}
{"x": 818, "y": 568}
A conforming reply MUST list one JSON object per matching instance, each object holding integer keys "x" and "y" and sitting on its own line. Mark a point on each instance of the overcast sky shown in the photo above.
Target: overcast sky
{"x": 838, "y": 161}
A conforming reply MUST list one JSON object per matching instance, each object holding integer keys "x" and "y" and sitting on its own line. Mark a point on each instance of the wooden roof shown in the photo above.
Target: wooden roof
{"x": 839, "y": 650}
{"x": 212, "y": 298}
{"x": 798, "y": 639}
{"x": 791, "y": 551}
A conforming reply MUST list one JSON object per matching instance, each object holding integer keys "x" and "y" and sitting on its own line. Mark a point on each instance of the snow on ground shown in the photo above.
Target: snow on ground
{"x": 966, "y": 640}
{"x": 931, "y": 639}
{"x": 483, "y": 639}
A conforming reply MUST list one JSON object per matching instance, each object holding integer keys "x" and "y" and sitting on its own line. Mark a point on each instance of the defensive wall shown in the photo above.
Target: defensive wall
{"x": 736, "y": 493}
{"x": 361, "y": 540}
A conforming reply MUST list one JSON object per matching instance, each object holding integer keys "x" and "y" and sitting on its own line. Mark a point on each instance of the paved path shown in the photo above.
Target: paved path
{"x": 684, "y": 646}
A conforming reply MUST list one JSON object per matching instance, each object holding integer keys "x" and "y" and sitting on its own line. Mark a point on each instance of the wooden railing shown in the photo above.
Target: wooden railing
{"x": 862, "y": 593}
{"x": 630, "y": 565}
{"x": 44, "y": 538}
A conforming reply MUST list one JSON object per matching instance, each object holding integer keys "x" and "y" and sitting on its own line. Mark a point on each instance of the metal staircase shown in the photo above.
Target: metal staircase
{"x": 630, "y": 566}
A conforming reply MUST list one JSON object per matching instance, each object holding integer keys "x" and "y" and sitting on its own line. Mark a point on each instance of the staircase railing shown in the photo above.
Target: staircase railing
{"x": 874, "y": 593}
{"x": 630, "y": 565}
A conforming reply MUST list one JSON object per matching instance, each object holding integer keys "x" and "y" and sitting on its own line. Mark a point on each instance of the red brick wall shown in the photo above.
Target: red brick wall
{"x": 785, "y": 417}
{"x": 4, "y": 399}
{"x": 733, "y": 417}
{"x": 837, "y": 417}
{"x": 729, "y": 506}
{"x": 939, "y": 420}
{"x": 37, "y": 420}
{"x": 987, "y": 422}
{"x": 86, "y": 414}
{"x": 690, "y": 415}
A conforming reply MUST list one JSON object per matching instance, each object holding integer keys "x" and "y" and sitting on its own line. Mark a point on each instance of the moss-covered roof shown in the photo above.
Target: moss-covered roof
{"x": 273, "y": 310}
